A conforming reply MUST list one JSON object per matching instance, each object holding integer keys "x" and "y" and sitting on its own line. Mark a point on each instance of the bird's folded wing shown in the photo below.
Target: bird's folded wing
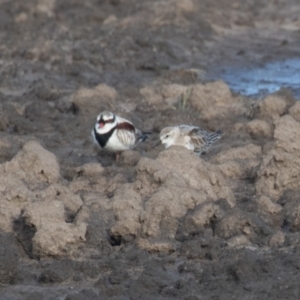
{"x": 128, "y": 138}
{"x": 197, "y": 137}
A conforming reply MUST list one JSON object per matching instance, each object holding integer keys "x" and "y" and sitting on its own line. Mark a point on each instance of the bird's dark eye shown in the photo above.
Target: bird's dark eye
{"x": 167, "y": 136}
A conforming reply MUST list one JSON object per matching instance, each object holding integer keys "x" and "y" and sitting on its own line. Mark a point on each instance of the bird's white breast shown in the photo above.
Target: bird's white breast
{"x": 115, "y": 145}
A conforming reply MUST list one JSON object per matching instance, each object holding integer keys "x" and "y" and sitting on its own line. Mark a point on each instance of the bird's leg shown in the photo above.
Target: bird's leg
{"x": 117, "y": 156}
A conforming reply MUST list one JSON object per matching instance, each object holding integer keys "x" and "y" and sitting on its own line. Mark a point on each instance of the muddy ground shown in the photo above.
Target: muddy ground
{"x": 157, "y": 224}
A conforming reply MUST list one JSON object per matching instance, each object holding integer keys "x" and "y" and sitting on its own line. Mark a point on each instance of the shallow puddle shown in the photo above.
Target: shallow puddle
{"x": 259, "y": 81}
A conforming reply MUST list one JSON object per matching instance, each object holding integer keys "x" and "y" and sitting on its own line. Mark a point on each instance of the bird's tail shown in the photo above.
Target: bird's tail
{"x": 215, "y": 136}
{"x": 144, "y": 135}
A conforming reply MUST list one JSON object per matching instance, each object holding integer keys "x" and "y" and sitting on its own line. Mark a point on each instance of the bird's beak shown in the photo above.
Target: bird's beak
{"x": 156, "y": 143}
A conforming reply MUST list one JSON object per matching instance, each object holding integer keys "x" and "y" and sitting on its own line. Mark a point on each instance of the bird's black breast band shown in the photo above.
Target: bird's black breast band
{"x": 103, "y": 138}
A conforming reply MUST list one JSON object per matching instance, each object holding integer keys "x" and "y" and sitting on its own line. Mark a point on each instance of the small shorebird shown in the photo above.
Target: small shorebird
{"x": 191, "y": 137}
{"x": 116, "y": 134}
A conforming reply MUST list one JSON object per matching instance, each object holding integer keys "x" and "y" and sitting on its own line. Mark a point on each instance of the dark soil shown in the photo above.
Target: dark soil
{"x": 49, "y": 50}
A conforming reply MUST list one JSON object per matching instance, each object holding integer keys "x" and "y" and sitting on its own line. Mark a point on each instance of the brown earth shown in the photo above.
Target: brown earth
{"x": 157, "y": 224}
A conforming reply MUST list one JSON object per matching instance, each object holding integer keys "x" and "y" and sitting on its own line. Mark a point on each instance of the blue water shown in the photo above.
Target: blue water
{"x": 260, "y": 81}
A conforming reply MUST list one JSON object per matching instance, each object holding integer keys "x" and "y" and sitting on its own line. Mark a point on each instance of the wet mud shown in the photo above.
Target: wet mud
{"x": 157, "y": 224}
